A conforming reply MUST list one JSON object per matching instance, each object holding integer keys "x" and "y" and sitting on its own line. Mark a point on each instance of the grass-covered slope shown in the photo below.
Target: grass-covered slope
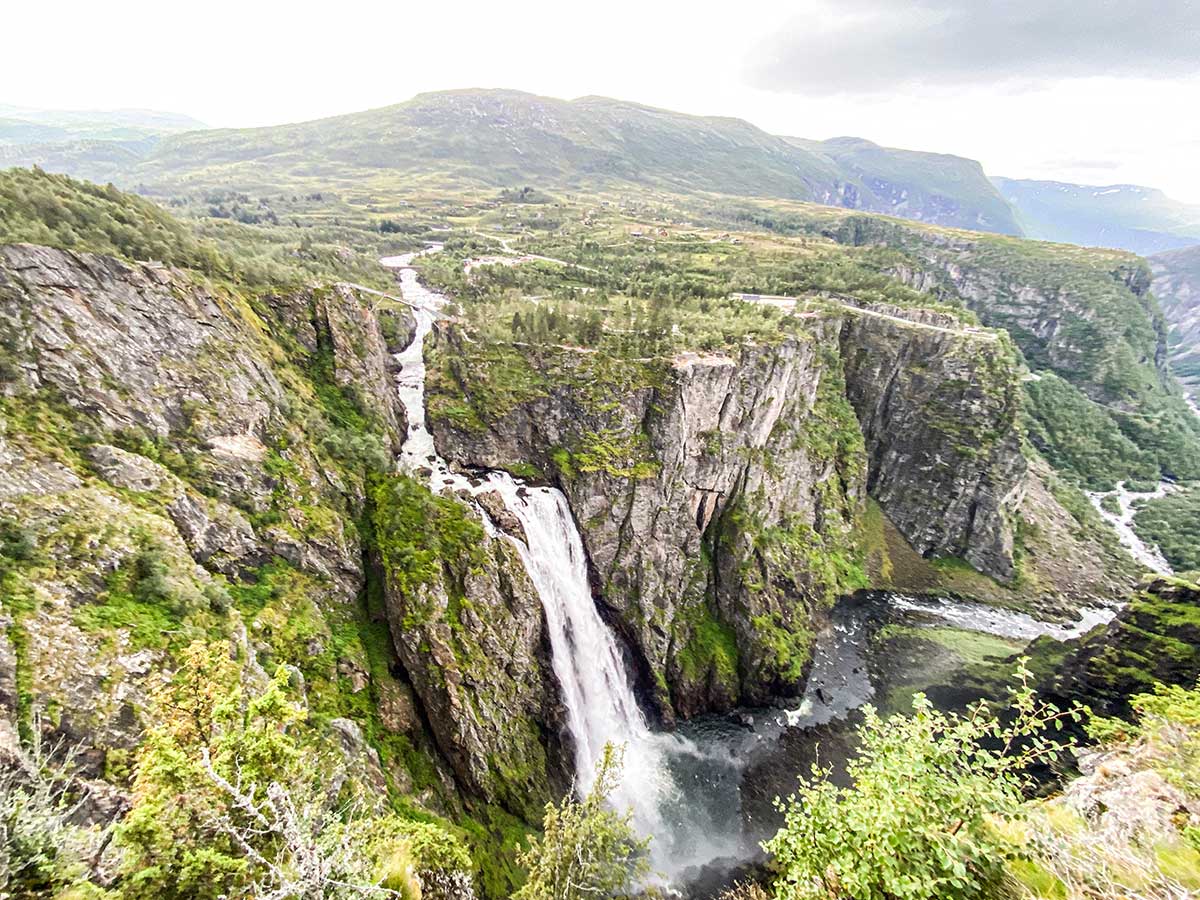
{"x": 37, "y": 207}
{"x": 495, "y": 138}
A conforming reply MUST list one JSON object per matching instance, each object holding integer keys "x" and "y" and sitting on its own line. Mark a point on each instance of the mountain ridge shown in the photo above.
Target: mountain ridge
{"x": 1131, "y": 217}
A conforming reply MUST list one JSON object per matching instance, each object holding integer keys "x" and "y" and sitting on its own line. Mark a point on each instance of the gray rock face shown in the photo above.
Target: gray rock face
{"x": 336, "y": 325}
{"x": 218, "y": 536}
{"x": 8, "y": 693}
{"x": 1177, "y": 287}
{"x": 474, "y": 643}
{"x": 719, "y": 497}
{"x": 938, "y": 407}
{"x": 132, "y": 345}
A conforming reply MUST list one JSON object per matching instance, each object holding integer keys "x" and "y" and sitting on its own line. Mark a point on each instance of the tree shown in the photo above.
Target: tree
{"x": 587, "y": 849}
{"x": 42, "y": 849}
{"x": 917, "y": 822}
{"x": 232, "y": 798}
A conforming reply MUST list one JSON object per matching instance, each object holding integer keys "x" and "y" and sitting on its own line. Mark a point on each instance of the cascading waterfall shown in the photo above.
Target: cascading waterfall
{"x": 685, "y": 793}
{"x": 587, "y": 658}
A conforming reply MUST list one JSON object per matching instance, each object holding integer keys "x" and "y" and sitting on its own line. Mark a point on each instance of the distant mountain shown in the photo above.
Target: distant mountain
{"x": 95, "y": 144}
{"x": 1123, "y": 216}
{"x": 26, "y": 125}
{"x": 505, "y": 138}
{"x": 930, "y": 187}
{"x": 1177, "y": 286}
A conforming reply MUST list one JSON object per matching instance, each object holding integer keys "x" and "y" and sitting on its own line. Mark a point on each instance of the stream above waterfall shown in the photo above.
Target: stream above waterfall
{"x": 703, "y": 792}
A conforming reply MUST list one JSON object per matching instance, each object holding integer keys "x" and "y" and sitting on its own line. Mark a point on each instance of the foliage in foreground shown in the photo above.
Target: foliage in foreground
{"x": 232, "y": 798}
{"x": 937, "y": 809}
{"x": 586, "y": 849}
{"x": 917, "y": 822}
{"x": 1129, "y": 829}
{"x": 41, "y": 849}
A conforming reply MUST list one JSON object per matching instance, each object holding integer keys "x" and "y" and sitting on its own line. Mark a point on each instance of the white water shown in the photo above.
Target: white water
{"x": 588, "y": 661}
{"x": 1149, "y": 556}
{"x": 1001, "y": 622}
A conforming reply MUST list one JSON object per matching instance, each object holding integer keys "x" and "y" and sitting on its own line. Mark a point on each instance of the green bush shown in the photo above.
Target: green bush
{"x": 916, "y": 822}
{"x": 587, "y": 849}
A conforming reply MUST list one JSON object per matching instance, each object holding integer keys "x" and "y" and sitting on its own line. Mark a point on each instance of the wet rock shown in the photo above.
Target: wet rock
{"x": 505, "y": 520}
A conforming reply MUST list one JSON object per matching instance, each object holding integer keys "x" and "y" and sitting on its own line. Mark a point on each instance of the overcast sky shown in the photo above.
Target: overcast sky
{"x": 1091, "y": 91}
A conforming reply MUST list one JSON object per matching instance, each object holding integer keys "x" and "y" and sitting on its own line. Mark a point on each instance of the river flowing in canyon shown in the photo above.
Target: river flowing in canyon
{"x": 704, "y": 792}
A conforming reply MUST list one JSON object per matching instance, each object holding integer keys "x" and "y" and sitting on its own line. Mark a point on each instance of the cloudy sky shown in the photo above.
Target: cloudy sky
{"x": 1093, "y": 91}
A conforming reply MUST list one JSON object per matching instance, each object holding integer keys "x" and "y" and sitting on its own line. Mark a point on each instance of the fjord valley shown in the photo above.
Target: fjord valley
{"x": 493, "y": 496}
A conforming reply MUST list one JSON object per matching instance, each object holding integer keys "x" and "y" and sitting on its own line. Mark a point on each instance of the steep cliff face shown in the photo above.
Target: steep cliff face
{"x": 1111, "y": 410}
{"x": 938, "y": 406}
{"x": 931, "y": 187}
{"x": 468, "y": 626}
{"x": 696, "y": 493}
{"x": 180, "y": 461}
{"x": 721, "y": 498}
{"x": 1177, "y": 286}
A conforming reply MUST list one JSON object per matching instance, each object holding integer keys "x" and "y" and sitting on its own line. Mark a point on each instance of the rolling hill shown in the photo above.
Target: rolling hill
{"x": 495, "y": 139}
{"x": 99, "y": 145}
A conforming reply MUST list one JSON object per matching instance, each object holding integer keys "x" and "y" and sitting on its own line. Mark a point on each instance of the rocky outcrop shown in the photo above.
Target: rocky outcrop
{"x": 219, "y": 536}
{"x": 1154, "y": 639}
{"x": 356, "y": 342}
{"x": 473, "y": 641}
{"x": 145, "y": 354}
{"x": 938, "y": 405}
{"x": 719, "y": 497}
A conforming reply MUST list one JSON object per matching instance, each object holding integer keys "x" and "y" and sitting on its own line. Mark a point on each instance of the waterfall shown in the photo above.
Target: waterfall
{"x": 587, "y": 658}
{"x": 588, "y": 662}
{"x": 685, "y": 794}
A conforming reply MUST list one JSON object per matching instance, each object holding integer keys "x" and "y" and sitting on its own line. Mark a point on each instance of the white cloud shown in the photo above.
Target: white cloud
{"x": 246, "y": 63}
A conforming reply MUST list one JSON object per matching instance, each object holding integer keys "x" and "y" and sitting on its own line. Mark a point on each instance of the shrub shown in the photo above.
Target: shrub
{"x": 916, "y": 823}
{"x": 587, "y": 849}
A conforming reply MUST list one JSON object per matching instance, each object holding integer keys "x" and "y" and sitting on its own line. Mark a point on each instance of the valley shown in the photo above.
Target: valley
{"x": 450, "y": 463}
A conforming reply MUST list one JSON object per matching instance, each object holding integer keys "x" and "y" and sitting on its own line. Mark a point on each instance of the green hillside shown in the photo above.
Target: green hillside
{"x": 496, "y": 138}
{"x": 58, "y": 211}
{"x": 507, "y": 138}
